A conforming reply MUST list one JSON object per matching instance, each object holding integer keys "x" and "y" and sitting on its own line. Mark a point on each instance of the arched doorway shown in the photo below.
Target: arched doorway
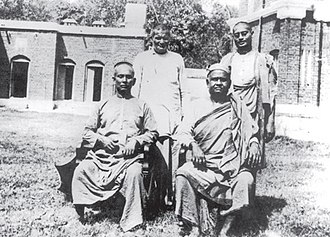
{"x": 19, "y": 68}
{"x": 64, "y": 82}
{"x": 93, "y": 81}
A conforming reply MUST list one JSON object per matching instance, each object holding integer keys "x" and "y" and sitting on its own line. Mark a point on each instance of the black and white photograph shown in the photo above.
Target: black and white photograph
{"x": 165, "y": 118}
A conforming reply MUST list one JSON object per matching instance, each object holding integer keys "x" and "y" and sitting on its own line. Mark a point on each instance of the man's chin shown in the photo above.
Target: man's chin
{"x": 241, "y": 45}
{"x": 160, "y": 50}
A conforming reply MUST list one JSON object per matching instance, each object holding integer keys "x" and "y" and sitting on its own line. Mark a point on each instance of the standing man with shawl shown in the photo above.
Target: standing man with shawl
{"x": 222, "y": 137}
{"x": 254, "y": 80}
{"x": 161, "y": 82}
{"x": 115, "y": 134}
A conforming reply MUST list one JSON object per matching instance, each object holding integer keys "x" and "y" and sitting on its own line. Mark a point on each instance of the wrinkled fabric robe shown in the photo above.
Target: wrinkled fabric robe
{"x": 223, "y": 132}
{"x": 104, "y": 172}
{"x": 254, "y": 80}
{"x": 162, "y": 83}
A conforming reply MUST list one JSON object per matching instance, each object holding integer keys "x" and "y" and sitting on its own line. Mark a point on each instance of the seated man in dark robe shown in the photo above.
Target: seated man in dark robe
{"x": 115, "y": 133}
{"x": 222, "y": 137}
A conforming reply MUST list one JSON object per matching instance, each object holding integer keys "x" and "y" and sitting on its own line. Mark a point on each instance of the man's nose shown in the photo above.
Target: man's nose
{"x": 125, "y": 78}
{"x": 240, "y": 36}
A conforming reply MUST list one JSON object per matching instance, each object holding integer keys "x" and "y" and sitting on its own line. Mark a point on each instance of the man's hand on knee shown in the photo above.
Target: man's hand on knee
{"x": 198, "y": 156}
{"x": 130, "y": 148}
{"x": 254, "y": 155}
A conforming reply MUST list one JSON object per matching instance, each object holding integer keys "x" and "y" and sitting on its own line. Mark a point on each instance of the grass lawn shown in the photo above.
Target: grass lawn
{"x": 292, "y": 194}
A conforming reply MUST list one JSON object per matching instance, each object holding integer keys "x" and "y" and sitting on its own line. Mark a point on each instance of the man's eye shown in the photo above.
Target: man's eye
{"x": 236, "y": 35}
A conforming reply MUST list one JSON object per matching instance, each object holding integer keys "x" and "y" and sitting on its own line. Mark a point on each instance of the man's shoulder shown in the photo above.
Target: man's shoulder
{"x": 226, "y": 60}
{"x": 139, "y": 102}
{"x": 174, "y": 54}
{"x": 142, "y": 55}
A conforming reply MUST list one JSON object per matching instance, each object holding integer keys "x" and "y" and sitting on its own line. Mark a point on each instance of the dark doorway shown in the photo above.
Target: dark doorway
{"x": 94, "y": 83}
{"x": 64, "y": 82}
{"x": 19, "y": 79}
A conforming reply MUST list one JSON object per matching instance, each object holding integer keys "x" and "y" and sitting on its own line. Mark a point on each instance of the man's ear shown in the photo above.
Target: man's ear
{"x": 133, "y": 82}
{"x": 207, "y": 81}
{"x": 252, "y": 32}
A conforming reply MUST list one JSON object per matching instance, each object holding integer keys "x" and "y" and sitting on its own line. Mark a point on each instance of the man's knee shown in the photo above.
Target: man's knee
{"x": 246, "y": 178}
{"x": 135, "y": 170}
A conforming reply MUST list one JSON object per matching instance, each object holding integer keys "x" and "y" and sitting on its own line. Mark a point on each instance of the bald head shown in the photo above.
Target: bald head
{"x": 123, "y": 66}
{"x": 244, "y": 24}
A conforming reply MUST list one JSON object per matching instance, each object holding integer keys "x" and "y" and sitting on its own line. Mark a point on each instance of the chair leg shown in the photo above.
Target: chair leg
{"x": 80, "y": 209}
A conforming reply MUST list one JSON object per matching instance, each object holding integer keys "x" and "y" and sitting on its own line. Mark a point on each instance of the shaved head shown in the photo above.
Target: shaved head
{"x": 244, "y": 24}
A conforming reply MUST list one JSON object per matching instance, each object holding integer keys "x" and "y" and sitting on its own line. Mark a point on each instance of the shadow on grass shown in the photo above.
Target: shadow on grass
{"x": 257, "y": 220}
{"x": 109, "y": 210}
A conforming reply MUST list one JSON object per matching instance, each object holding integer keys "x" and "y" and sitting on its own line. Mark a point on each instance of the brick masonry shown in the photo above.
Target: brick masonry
{"x": 303, "y": 59}
{"x": 39, "y": 48}
{"x": 46, "y": 50}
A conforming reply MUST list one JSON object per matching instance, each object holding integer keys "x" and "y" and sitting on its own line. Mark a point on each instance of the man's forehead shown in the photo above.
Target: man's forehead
{"x": 124, "y": 69}
{"x": 240, "y": 27}
{"x": 161, "y": 32}
{"x": 218, "y": 74}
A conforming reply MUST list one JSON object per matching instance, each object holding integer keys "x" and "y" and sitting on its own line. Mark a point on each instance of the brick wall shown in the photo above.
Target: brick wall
{"x": 325, "y": 73}
{"x": 309, "y": 75}
{"x": 39, "y": 47}
{"x": 297, "y": 79}
{"x": 105, "y": 49}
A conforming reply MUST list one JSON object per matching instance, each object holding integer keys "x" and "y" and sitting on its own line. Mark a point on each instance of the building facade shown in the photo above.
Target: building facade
{"x": 296, "y": 33}
{"x": 42, "y": 61}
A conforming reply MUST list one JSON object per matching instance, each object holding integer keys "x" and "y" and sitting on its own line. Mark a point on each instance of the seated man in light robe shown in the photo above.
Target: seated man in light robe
{"x": 115, "y": 133}
{"x": 221, "y": 135}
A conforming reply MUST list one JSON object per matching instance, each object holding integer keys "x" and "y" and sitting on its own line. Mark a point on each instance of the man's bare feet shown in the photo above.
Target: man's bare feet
{"x": 186, "y": 229}
{"x": 231, "y": 211}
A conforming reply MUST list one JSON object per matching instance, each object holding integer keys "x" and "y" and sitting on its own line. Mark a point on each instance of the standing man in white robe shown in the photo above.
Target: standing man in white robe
{"x": 161, "y": 82}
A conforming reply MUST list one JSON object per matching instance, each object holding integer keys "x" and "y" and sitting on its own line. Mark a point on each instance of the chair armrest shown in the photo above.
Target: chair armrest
{"x": 146, "y": 159}
{"x": 182, "y": 155}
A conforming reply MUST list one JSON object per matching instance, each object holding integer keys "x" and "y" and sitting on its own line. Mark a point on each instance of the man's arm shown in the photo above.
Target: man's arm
{"x": 91, "y": 138}
{"x": 148, "y": 136}
{"x": 186, "y": 138}
{"x": 183, "y": 86}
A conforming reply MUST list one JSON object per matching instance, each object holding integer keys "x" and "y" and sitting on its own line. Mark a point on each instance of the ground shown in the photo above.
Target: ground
{"x": 292, "y": 192}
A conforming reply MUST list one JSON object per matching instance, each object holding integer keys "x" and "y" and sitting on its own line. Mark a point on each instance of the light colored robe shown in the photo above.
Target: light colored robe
{"x": 161, "y": 82}
{"x": 101, "y": 174}
{"x": 224, "y": 133}
{"x": 254, "y": 80}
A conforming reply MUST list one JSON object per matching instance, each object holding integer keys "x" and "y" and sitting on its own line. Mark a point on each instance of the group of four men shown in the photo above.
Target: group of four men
{"x": 224, "y": 132}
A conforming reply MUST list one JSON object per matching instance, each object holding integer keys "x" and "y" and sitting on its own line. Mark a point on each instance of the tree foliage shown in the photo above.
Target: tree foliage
{"x": 32, "y": 10}
{"x": 199, "y": 37}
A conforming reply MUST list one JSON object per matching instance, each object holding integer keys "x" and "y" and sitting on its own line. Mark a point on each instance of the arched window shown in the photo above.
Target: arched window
{"x": 64, "y": 81}
{"x": 19, "y": 68}
{"x": 93, "y": 81}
